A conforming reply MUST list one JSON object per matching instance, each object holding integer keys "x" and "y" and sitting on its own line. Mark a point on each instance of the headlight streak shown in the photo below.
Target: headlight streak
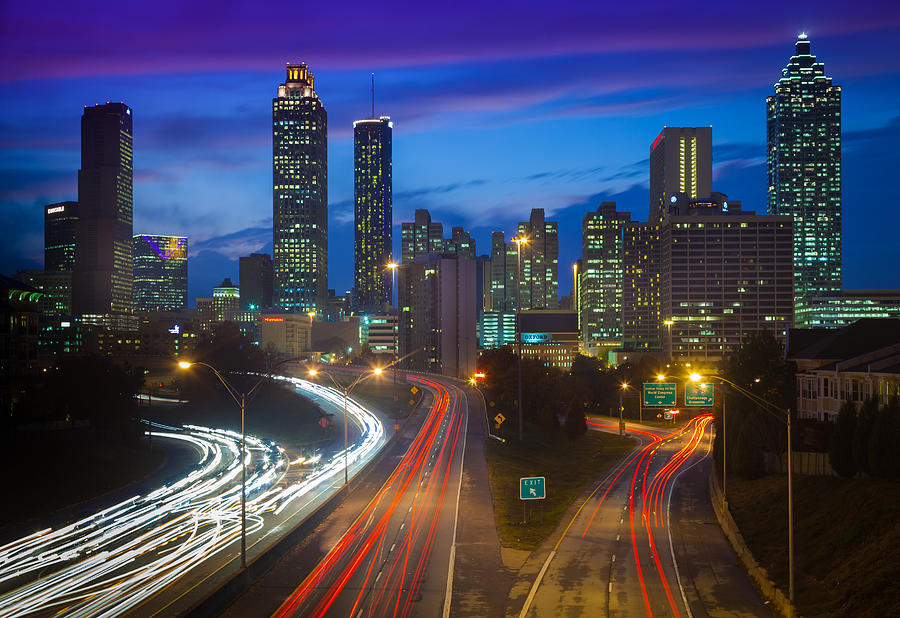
{"x": 117, "y": 558}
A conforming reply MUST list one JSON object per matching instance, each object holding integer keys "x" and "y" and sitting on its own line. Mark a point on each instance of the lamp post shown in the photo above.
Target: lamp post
{"x": 241, "y": 400}
{"x": 519, "y": 240}
{"x": 668, "y": 324}
{"x": 346, "y": 390}
{"x": 787, "y": 418}
{"x": 396, "y": 303}
{"x": 622, "y": 407}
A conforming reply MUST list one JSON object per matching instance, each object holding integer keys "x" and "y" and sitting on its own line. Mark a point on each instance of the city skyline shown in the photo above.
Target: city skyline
{"x": 200, "y": 174}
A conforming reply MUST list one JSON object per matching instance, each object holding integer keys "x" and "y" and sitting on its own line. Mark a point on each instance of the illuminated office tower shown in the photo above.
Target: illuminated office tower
{"x": 420, "y": 237}
{"x": 680, "y": 164}
{"x": 255, "y": 279}
{"x": 539, "y": 278}
{"x": 101, "y": 279}
{"x": 372, "y": 213}
{"x": 804, "y": 169}
{"x": 503, "y": 273}
{"x": 59, "y": 235}
{"x": 600, "y": 302}
{"x": 642, "y": 319}
{"x": 160, "y": 272}
{"x": 300, "y": 194}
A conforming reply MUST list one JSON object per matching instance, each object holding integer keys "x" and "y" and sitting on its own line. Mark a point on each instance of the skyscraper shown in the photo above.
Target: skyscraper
{"x": 503, "y": 273}
{"x": 59, "y": 235}
{"x": 642, "y": 319}
{"x": 101, "y": 280}
{"x": 421, "y": 236}
{"x": 680, "y": 163}
{"x": 803, "y": 123}
{"x": 437, "y": 295}
{"x": 255, "y": 279}
{"x": 724, "y": 274}
{"x": 600, "y": 301}
{"x": 300, "y": 194}
{"x": 160, "y": 272}
{"x": 372, "y": 212}
{"x": 539, "y": 276}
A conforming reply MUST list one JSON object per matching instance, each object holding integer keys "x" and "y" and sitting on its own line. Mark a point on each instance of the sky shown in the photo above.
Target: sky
{"x": 498, "y": 107}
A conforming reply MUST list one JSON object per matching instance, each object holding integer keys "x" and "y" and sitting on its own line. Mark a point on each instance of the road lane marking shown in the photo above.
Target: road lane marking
{"x": 448, "y": 594}
{"x": 537, "y": 582}
{"x": 669, "y": 529}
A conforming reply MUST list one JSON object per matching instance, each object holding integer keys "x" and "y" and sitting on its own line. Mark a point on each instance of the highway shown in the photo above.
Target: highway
{"x": 616, "y": 556}
{"x": 396, "y": 556}
{"x": 146, "y": 551}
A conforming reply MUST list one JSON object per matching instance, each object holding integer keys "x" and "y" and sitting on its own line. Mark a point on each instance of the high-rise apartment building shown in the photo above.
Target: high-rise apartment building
{"x": 300, "y": 194}
{"x": 420, "y": 237}
{"x": 724, "y": 275}
{"x": 102, "y": 277}
{"x": 539, "y": 278}
{"x": 504, "y": 275}
{"x": 680, "y": 164}
{"x": 803, "y": 123}
{"x": 437, "y": 295}
{"x": 160, "y": 272}
{"x": 59, "y": 235}
{"x": 642, "y": 319}
{"x": 256, "y": 281}
{"x": 372, "y": 213}
{"x": 600, "y": 278}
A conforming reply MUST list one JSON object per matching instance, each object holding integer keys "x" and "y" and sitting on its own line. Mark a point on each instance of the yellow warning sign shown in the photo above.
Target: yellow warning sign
{"x": 500, "y": 418}
{"x": 413, "y": 390}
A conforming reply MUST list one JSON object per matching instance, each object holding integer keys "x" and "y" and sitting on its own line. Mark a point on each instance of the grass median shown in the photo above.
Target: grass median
{"x": 846, "y": 540}
{"x": 569, "y": 467}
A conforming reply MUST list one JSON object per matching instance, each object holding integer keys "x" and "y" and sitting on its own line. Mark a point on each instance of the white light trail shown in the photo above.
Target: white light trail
{"x": 115, "y": 559}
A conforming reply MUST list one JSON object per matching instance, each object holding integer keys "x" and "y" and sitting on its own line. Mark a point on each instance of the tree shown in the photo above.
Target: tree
{"x": 840, "y": 452}
{"x": 865, "y": 423}
{"x": 576, "y": 424}
{"x": 884, "y": 442}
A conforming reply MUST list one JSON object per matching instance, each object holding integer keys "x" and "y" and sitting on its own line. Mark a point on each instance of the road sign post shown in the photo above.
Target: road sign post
{"x": 659, "y": 394}
{"x": 532, "y": 488}
{"x": 698, "y": 394}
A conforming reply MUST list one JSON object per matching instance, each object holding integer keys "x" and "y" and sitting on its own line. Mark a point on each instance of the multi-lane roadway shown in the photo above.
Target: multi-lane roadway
{"x": 616, "y": 555}
{"x": 147, "y": 551}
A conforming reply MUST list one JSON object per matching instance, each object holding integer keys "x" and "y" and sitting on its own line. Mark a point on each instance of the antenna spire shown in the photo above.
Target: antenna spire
{"x": 373, "y": 96}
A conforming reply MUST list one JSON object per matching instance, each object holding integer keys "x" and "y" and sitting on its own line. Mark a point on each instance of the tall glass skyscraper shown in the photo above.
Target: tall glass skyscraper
{"x": 372, "y": 212}
{"x": 160, "y": 272}
{"x": 680, "y": 164}
{"x": 101, "y": 280}
{"x": 804, "y": 170}
{"x": 600, "y": 294}
{"x": 300, "y": 194}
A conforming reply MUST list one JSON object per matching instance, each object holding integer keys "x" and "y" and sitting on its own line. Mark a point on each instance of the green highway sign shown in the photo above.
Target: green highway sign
{"x": 532, "y": 488}
{"x": 659, "y": 394}
{"x": 698, "y": 394}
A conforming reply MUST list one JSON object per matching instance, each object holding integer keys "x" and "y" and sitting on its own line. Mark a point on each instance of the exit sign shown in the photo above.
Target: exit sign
{"x": 532, "y": 488}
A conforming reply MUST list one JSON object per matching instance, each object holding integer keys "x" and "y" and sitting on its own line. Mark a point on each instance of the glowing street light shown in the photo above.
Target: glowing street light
{"x": 519, "y": 240}
{"x": 763, "y": 403}
{"x": 241, "y": 400}
{"x": 346, "y": 390}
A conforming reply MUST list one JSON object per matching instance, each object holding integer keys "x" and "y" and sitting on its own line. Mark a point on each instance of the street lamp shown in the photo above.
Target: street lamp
{"x": 241, "y": 400}
{"x": 393, "y": 266}
{"x": 668, "y": 324}
{"x": 622, "y": 407}
{"x": 766, "y": 405}
{"x": 519, "y": 240}
{"x": 346, "y": 390}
